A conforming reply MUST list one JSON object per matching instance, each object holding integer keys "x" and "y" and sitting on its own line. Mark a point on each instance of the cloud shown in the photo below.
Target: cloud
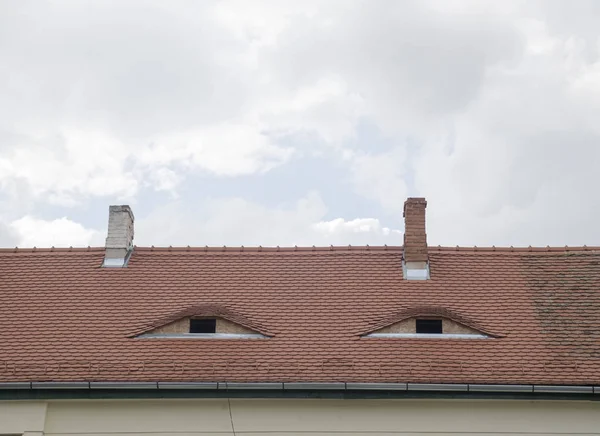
{"x": 223, "y": 150}
{"x": 8, "y": 236}
{"x": 93, "y": 112}
{"x": 411, "y": 63}
{"x": 62, "y": 167}
{"x": 236, "y": 221}
{"x": 497, "y": 103}
{"x": 61, "y": 232}
{"x": 488, "y": 109}
{"x": 519, "y": 166}
{"x": 381, "y": 176}
{"x": 96, "y": 112}
{"x": 359, "y": 231}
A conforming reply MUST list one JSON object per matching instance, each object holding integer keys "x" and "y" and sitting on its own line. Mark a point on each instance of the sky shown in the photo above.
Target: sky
{"x": 300, "y": 123}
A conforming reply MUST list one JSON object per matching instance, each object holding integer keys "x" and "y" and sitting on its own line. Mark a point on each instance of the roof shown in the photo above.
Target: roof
{"x": 64, "y": 318}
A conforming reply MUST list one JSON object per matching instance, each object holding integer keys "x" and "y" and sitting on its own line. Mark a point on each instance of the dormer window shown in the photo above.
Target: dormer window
{"x": 208, "y": 321}
{"x": 208, "y": 325}
{"x": 428, "y": 326}
{"x": 428, "y": 322}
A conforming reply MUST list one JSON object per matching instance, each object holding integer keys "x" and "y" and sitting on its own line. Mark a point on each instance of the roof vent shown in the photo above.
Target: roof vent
{"x": 119, "y": 241}
{"x": 415, "y": 256}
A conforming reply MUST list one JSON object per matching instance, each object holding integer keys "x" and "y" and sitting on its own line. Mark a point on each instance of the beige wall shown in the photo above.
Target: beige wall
{"x": 183, "y": 326}
{"x": 300, "y": 417}
{"x": 17, "y": 417}
{"x": 410, "y": 326}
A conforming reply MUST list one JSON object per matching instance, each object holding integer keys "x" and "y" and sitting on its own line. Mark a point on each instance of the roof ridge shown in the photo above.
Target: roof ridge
{"x": 271, "y": 249}
{"x": 51, "y": 250}
{"x": 512, "y": 249}
{"x": 241, "y": 248}
{"x": 437, "y": 248}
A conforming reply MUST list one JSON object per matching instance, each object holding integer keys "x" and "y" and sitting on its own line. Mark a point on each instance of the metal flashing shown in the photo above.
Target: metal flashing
{"x": 60, "y": 385}
{"x": 15, "y": 385}
{"x": 564, "y": 389}
{"x": 118, "y": 262}
{"x": 316, "y": 386}
{"x": 123, "y": 385}
{"x": 500, "y": 388}
{"x": 211, "y": 336}
{"x": 437, "y": 387}
{"x": 114, "y": 263}
{"x": 273, "y": 386}
{"x": 187, "y": 385}
{"x": 415, "y": 270}
{"x": 427, "y": 335}
{"x": 308, "y": 386}
{"x": 377, "y": 386}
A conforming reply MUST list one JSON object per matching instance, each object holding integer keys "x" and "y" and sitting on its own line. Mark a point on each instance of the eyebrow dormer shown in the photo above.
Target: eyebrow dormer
{"x": 428, "y": 322}
{"x": 209, "y": 321}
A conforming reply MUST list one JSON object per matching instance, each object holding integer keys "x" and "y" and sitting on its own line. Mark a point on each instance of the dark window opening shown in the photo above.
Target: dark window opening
{"x": 203, "y": 325}
{"x": 429, "y": 326}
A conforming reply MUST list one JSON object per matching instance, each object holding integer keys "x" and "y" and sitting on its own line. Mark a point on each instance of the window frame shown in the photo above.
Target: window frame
{"x": 429, "y": 327}
{"x": 211, "y": 323}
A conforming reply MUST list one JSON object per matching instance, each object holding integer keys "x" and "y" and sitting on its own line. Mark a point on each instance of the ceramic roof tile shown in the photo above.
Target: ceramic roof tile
{"x": 64, "y": 318}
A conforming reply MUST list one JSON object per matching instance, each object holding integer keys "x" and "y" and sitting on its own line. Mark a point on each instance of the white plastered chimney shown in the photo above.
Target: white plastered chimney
{"x": 119, "y": 241}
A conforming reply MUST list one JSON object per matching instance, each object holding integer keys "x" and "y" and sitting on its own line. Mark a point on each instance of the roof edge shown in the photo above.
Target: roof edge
{"x": 307, "y": 386}
{"x": 337, "y": 248}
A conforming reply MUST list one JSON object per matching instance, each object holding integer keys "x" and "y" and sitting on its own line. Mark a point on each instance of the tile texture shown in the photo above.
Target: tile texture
{"x": 64, "y": 318}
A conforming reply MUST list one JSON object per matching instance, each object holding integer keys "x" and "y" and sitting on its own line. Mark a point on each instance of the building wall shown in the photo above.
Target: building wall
{"x": 183, "y": 326}
{"x": 295, "y": 417}
{"x": 410, "y": 326}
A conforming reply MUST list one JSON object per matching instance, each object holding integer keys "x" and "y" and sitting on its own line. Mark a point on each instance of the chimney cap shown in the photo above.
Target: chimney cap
{"x": 121, "y": 208}
{"x": 414, "y": 201}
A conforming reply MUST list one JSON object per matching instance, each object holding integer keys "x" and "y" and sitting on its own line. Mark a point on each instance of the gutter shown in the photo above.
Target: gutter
{"x": 311, "y": 387}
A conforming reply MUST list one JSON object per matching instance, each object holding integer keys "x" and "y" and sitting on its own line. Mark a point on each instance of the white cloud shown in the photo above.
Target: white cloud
{"x": 8, "y": 236}
{"x": 61, "y": 232}
{"x": 165, "y": 179}
{"x": 326, "y": 107}
{"x": 230, "y": 221}
{"x": 519, "y": 168}
{"x": 359, "y": 231}
{"x": 74, "y": 163}
{"x": 411, "y": 63}
{"x": 90, "y": 115}
{"x": 93, "y": 117}
{"x": 381, "y": 176}
{"x": 223, "y": 150}
{"x": 497, "y": 99}
{"x": 500, "y": 104}
{"x": 236, "y": 221}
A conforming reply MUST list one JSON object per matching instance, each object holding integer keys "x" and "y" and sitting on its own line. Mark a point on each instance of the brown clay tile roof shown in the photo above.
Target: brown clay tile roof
{"x": 64, "y": 318}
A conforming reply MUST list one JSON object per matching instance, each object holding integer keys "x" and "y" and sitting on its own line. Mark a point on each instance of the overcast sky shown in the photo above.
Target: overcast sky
{"x": 301, "y": 122}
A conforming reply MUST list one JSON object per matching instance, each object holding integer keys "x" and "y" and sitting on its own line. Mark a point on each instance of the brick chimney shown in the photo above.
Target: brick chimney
{"x": 416, "y": 259}
{"x": 119, "y": 241}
